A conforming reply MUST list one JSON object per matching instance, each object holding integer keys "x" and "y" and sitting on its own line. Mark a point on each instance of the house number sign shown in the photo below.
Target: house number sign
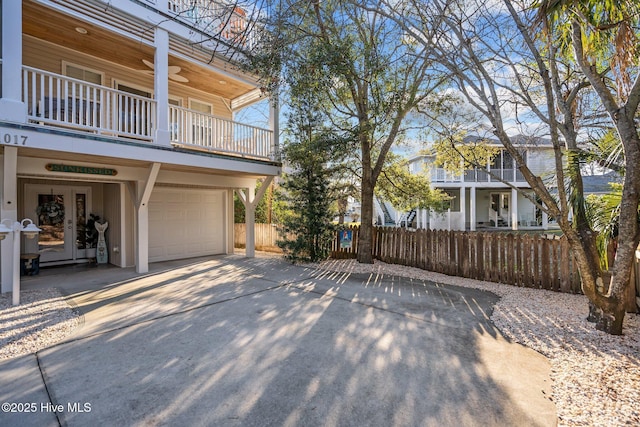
{"x": 51, "y": 167}
{"x": 14, "y": 139}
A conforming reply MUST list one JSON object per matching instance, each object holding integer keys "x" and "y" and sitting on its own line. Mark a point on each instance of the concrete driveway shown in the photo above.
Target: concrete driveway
{"x": 232, "y": 341}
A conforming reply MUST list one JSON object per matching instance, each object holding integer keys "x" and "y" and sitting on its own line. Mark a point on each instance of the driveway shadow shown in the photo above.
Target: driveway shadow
{"x": 244, "y": 343}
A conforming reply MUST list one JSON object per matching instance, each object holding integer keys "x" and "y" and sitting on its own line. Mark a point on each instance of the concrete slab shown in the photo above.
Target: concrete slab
{"x": 240, "y": 342}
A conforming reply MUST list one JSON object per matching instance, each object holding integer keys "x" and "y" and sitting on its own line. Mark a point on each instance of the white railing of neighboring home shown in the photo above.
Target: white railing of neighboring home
{"x": 227, "y": 21}
{"x": 443, "y": 175}
{"x": 202, "y": 131}
{"x": 64, "y": 101}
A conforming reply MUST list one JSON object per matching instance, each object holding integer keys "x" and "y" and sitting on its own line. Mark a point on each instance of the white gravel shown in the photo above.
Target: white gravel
{"x": 596, "y": 376}
{"x": 42, "y": 318}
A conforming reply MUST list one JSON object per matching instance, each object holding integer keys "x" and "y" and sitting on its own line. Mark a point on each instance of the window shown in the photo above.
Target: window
{"x": 200, "y": 107}
{"x": 78, "y": 103}
{"x": 201, "y": 123}
{"x": 135, "y": 112}
{"x": 81, "y": 73}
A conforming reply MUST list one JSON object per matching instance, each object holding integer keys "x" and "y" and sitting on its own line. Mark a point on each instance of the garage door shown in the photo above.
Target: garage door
{"x": 185, "y": 223}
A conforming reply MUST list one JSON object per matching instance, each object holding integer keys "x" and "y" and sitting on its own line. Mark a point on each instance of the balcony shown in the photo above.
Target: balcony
{"x": 227, "y": 21}
{"x": 477, "y": 175}
{"x": 60, "y": 101}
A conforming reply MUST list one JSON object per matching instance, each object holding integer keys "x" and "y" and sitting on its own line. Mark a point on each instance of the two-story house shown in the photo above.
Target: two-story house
{"x": 126, "y": 109}
{"x": 480, "y": 198}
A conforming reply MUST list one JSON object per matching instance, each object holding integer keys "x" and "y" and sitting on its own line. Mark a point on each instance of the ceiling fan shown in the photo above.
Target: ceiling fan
{"x": 173, "y": 72}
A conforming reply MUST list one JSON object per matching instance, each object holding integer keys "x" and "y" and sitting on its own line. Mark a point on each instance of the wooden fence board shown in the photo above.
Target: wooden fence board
{"x": 546, "y": 270}
{"x": 510, "y": 258}
{"x": 527, "y": 278}
{"x": 481, "y": 257}
{"x": 536, "y": 261}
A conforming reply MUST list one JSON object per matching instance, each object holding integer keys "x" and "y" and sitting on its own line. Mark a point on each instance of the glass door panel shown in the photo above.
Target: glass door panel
{"x": 61, "y": 213}
{"x": 54, "y": 217}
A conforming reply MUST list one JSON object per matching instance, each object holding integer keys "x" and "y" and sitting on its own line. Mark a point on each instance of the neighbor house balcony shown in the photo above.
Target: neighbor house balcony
{"x": 477, "y": 175}
{"x": 60, "y": 101}
{"x": 226, "y": 20}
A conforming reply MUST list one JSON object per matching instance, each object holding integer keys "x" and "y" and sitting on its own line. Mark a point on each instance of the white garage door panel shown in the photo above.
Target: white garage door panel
{"x": 185, "y": 223}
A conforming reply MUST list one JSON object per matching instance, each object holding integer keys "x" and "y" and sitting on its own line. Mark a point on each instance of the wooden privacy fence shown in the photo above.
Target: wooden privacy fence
{"x": 527, "y": 260}
{"x": 266, "y": 236}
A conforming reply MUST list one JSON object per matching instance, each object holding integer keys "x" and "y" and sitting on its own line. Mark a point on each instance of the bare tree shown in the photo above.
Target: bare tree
{"x": 520, "y": 81}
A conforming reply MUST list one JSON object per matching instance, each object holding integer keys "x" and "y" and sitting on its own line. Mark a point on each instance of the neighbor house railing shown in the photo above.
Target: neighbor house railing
{"x": 477, "y": 175}
{"x": 203, "y": 131}
{"x": 226, "y": 21}
{"x": 64, "y": 101}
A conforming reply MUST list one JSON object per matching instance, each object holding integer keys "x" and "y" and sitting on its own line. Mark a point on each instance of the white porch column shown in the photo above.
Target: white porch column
{"x": 514, "y": 209}
{"x": 231, "y": 236}
{"x": 472, "y": 208}
{"x": 161, "y": 86}
{"x": 9, "y": 210}
{"x": 463, "y": 208}
{"x": 247, "y": 196}
{"x": 250, "y": 223}
{"x": 141, "y": 201}
{"x": 250, "y": 199}
{"x": 545, "y": 221}
{"x": 11, "y": 106}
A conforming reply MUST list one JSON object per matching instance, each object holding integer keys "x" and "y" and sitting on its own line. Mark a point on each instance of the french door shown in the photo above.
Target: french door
{"x": 61, "y": 212}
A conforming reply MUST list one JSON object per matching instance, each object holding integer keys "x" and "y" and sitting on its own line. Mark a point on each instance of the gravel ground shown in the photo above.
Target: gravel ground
{"x": 42, "y": 318}
{"x": 596, "y": 377}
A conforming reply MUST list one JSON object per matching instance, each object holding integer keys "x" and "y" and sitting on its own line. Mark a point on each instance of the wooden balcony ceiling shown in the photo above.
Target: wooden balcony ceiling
{"x": 47, "y": 24}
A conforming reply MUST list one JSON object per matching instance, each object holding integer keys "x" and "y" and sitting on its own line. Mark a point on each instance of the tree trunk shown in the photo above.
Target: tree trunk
{"x": 365, "y": 255}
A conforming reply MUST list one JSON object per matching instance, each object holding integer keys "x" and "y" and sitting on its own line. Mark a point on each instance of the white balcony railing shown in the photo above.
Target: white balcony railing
{"x": 477, "y": 175}
{"x": 443, "y": 175}
{"x": 217, "y": 18}
{"x": 57, "y": 100}
{"x": 64, "y": 101}
{"x": 205, "y": 132}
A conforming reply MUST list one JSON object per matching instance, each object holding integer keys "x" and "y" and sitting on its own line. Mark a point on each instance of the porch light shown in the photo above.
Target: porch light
{"x": 30, "y": 230}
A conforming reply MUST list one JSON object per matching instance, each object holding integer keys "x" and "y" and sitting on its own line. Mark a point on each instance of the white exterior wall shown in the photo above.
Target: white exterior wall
{"x": 541, "y": 161}
{"x": 447, "y": 221}
{"x": 526, "y": 211}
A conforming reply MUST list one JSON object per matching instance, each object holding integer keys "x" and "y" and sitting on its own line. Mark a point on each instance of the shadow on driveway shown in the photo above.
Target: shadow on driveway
{"x": 232, "y": 341}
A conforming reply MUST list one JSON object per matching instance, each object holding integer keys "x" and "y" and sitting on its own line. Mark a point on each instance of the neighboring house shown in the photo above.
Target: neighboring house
{"x": 125, "y": 109}
{"x": 480, "y": 200}
{"x": 600, "y": 184}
